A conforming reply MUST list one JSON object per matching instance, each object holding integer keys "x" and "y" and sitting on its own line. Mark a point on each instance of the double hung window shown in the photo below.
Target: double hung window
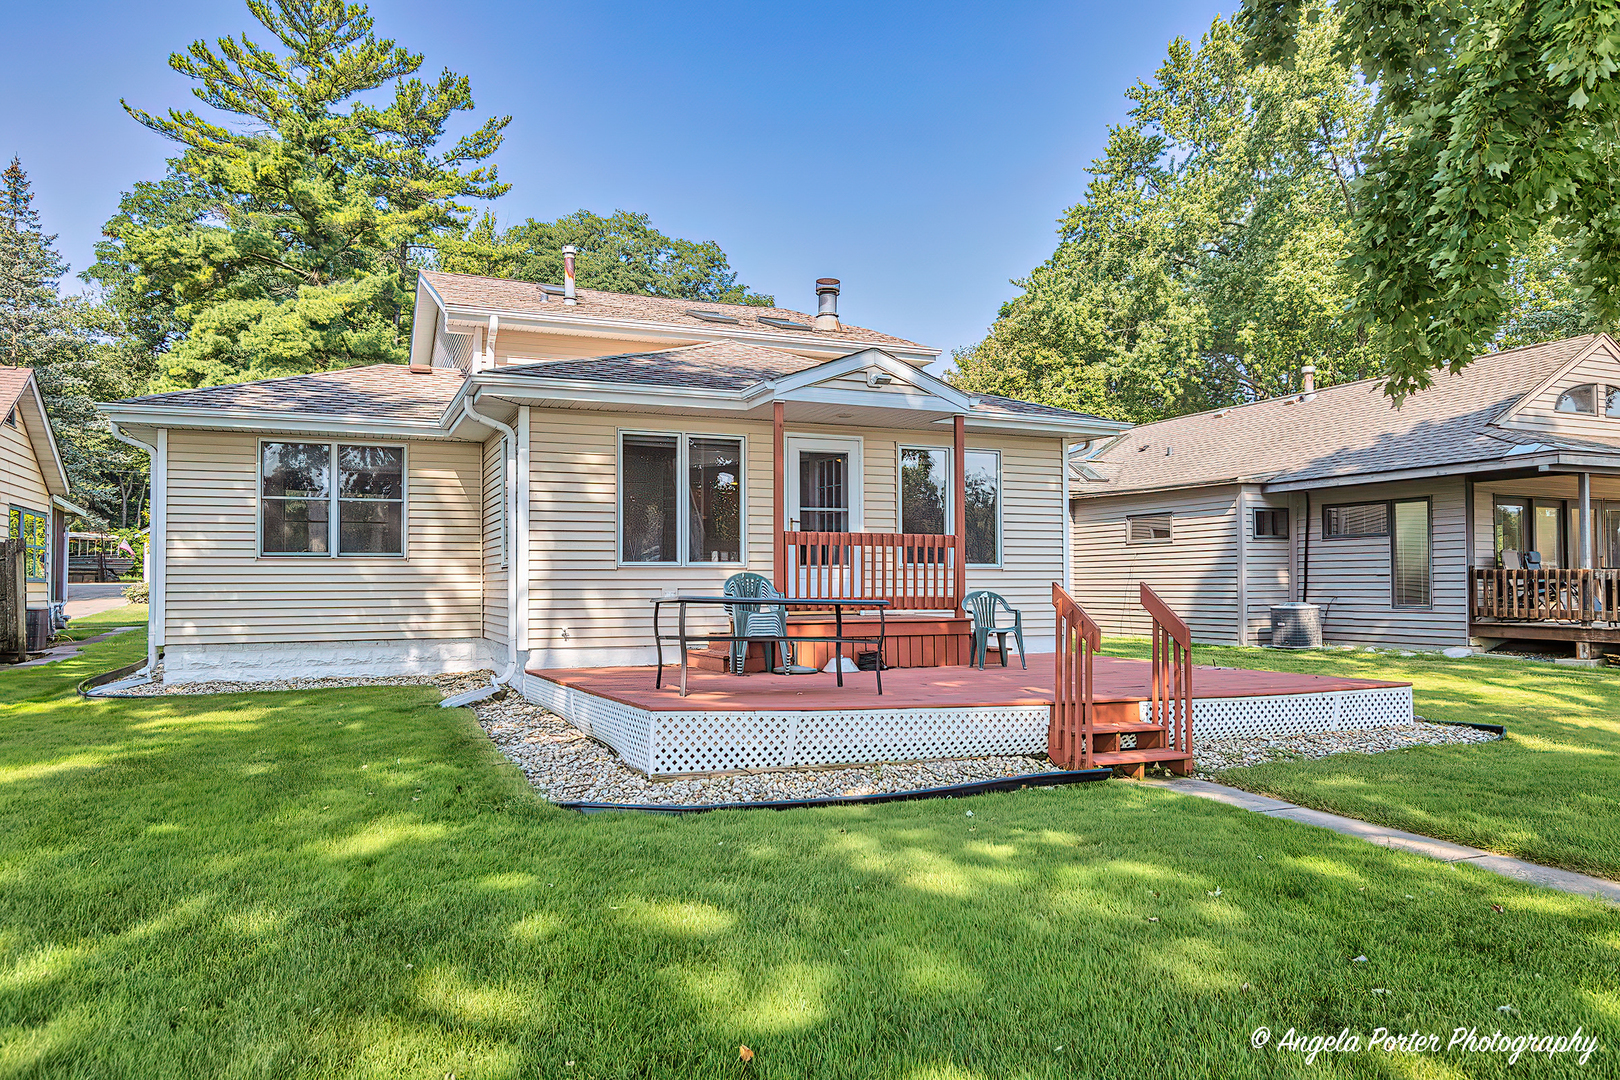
{"x": 320, "y": 498}
{"x": 33, "y": 527}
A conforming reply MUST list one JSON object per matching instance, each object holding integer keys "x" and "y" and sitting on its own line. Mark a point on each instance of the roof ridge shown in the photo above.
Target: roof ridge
{"x": 614, "y": 292}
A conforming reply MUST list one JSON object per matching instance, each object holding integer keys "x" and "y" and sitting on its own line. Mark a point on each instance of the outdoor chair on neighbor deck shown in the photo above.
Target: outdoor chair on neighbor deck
{"x": 983, "y": 605}
{"x": 768, "y": 624}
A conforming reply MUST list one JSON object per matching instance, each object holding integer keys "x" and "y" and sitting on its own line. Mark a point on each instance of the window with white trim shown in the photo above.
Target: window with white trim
{"x": 925, "y": 490}
{"x": 1149, "y": 528}
{"x": 324, "y": 498}
{"x": 33, "y": 527}
{"x": 658, "y": 473}
{"x": 981, "y": 488}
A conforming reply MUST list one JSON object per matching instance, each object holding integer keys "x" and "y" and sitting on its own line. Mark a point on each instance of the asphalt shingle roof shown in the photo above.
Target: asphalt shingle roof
{"x": 378, "y": 391}
{"x": 714, "y": 365}
{"x": 13, "y": 380}
{"x": 1345, "y": 430}
{"x": 501, "y": 294}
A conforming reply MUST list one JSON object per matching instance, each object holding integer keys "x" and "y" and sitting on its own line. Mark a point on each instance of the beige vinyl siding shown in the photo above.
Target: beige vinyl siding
{"x": 1541, "y": 414}
{"x": 1350, "y": 578}
{"x": 494, "y": 509}
{"x": 220, "y": 591}
{"x": 1268, "y": 578}
{"x": 22, "y": 484}
{"x": 581, "y": 599}
{"x": 1195, "y": 573}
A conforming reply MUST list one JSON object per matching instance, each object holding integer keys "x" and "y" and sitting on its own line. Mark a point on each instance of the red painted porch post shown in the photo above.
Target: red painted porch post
{"x": 960, "y": 474}
{"x": 779, "y": 498}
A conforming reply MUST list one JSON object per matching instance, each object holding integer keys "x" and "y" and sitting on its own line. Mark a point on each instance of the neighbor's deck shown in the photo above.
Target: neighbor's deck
{"x": 1118, "y": 680}
{"x": 729, "y": 722}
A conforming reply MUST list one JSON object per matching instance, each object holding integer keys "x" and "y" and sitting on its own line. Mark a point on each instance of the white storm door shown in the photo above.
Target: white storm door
{"x": 823, "y": 495}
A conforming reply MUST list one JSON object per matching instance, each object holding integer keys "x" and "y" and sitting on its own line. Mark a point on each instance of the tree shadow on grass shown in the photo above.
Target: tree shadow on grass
{"x": 353, "y": 882}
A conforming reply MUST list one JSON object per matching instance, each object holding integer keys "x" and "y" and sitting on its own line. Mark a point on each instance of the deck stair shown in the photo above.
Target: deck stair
{"x": 1087, "y": 733}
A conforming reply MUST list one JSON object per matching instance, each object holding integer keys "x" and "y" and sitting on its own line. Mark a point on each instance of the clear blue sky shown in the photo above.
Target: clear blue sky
{"x": 920, "y": 152}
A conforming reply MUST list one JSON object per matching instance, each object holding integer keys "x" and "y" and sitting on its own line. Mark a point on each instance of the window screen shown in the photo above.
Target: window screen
{"x": 1271, "y": 524}
{"x": 648, "y": 511}
{"x": 1410, "y": 554}
{"x": 1147, "y": 528}
{"x": 1357, "y": 519}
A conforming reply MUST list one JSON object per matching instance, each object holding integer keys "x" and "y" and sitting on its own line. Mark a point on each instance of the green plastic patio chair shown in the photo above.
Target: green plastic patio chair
{"x": 982, "y": 604}
{"x": 766, "y": 622}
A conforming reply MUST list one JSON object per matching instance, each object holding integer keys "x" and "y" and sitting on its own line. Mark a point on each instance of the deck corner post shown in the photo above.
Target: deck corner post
{"x": 959, "y": 468}
{"x": 779, "y": 497}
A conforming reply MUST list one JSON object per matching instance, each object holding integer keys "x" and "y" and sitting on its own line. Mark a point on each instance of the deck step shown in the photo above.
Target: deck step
{"x": 1137, "y": 757}
{"x": 1126, "y": 728}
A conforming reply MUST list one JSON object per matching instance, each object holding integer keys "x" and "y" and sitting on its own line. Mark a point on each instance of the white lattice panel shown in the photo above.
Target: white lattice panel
{"x": 624, "y": 727}
{"x": 1294, "y": 714}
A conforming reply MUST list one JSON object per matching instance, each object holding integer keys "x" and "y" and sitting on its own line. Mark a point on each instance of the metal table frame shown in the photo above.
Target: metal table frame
{"x": 838, "y": 638}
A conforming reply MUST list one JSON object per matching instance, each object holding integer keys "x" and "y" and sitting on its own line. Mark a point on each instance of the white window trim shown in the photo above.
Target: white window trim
{"x": 900, "y": 480}
{"x": 332, "y": 514}
{"x": 683, "y": 442}
{"x": 1169, "y": 515}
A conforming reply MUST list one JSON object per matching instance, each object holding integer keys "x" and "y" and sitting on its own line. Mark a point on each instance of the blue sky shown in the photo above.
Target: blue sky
{"x": 920, "y": 152}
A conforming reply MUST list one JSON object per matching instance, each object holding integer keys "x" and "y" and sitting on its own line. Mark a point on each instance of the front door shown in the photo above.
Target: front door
{"x": 823, "y": 495}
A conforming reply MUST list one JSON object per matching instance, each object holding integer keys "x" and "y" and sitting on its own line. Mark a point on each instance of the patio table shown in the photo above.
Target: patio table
{"x": 838, "y": 638}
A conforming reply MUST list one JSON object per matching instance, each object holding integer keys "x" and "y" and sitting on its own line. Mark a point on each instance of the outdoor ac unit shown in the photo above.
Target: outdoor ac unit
{"x": 1296, "y": 626}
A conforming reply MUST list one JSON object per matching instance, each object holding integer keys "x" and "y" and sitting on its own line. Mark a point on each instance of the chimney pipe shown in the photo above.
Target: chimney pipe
{"x": 827, "y": 303}
{"x": 568, "y": 274}
{"x": 1307, "y": 380}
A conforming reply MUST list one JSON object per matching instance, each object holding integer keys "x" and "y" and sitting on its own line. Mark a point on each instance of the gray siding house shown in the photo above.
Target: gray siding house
{"x": 1484, "y": 509}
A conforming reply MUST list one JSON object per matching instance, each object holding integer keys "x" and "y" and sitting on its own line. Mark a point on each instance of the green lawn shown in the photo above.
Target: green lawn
{"x": 1550, "y": 792}
{"x": 354, "y": 883}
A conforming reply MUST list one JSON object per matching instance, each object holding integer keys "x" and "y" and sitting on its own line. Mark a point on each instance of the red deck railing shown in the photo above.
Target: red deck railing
{"x": 1547, "y": 595}
{"x": 1171, "y": 703}
{"x": 913, "y": 571}
{"x": 1070, "y": 735}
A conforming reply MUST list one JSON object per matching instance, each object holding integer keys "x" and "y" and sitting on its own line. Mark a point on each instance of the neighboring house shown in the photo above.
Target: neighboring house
{"x": 33, "y": 486}
{"x": 1396, "y": 521}
{"x": 554, "y": 459}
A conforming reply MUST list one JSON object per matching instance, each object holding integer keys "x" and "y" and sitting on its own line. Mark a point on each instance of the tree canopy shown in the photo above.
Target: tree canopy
{"x": 1496, "y": 121}
{"x": 282, "y": 239}
{"x": 1201, "y": 267}
{"x": 619, "y": 253}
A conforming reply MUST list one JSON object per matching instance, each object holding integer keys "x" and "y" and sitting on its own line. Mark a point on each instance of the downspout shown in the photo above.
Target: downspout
{"x": 509, "y": 496}
{"x": 157, "y": 538}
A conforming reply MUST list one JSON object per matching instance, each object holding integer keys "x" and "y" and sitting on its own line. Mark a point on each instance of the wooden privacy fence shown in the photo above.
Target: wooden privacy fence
{"x": 913, "y": 571}
{"x": 1546, "y": 595}
{"x": 1070, "y": 737}
{"x": 1171, "y": 703}
{"x": 13, "y": 601}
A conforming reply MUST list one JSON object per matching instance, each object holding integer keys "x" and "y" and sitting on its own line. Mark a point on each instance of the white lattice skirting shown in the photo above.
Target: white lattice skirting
{"x": 671, "y": 744}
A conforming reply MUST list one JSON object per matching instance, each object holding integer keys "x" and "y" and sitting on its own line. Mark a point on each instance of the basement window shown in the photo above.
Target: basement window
{"x": 1271, "y": 524}
{"x": 1354, "y": 520}
{"x": 1149, "y": 528}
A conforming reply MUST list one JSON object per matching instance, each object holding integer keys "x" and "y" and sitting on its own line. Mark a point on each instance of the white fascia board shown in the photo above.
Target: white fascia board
{"x": 872, "y": 357}
{"x": 39, "y": 430}
{"x": 787, "y": 341}
{"x": 72, "y": 508}
{"x": 255, "y": 420}
{"x": 1497, "y": 464}
{"x": 898, "y": 400}
{"x": 522, "y": 390}
{"x": 424, "y": 332}
{"x": 1054, "y": 425}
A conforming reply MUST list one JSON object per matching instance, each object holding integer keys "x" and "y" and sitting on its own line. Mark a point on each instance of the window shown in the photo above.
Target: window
{"x": 1356, "y": 519}
{"x": 925, "y": 491}
{"x": 34, "y": 529}
{"x": 1512, "y": 517}
{"x": 1148, "y": 529}
{"x": 1409, "y": 554}
{"x": 1271, "y": 524}
{"x": 1611, "y": 402}
{"x": 1579, "y": 399}
{"x": 982, "y": 492}
{"x": 11, "y": 418}
{"x": 650, "y": 492}
{"x": 326, "y": 498}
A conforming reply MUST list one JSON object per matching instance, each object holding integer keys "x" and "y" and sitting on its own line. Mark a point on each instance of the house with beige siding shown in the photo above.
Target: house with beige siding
{"x": 34, "y": 486}
{"x": 555, "y": 458}
{"x": 1481, "y": 510}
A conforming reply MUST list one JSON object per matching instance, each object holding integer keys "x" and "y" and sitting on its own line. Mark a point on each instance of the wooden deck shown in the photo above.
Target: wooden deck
{"x": 1117, "y": 680}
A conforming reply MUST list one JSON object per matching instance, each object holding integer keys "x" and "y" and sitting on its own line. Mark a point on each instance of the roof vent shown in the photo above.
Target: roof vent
{"x": 827, "y": 303}
{"x": 714, "y": 316}
{"x": 552, "y": 290}
{"x": 1307, "y": 382}
{"x": 568, "y": 274}
{"x": 783, "y": 324}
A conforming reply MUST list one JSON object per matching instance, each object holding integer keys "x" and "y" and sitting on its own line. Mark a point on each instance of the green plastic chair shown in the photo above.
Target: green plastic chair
{"x": 767, "y": 622}
{"x": 982, "y": 605}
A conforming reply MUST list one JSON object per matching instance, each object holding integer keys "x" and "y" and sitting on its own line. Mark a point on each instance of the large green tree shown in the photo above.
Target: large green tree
{"x": 1201, "y": 268}
{"x": 282, "y": 239}
{"x": 1498, "y": 118}
{"x": 620, "y": 253}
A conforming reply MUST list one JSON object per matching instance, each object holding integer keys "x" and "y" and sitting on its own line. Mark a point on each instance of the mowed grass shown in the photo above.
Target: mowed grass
{"x": 1549, "y": 792}
{"x": 354, "y": 883}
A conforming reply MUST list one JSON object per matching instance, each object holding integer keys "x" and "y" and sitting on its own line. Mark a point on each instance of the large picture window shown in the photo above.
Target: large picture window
{"x": 1409, "y": 554}
{"x": 319, "y": 498}
{"x": 657, "y": 473}
{"x": 34, "y": 528}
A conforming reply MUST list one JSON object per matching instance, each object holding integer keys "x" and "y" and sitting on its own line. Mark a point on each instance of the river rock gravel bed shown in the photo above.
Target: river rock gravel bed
{"x": 1215, "y": 755}
{"x": 454, "y": 683}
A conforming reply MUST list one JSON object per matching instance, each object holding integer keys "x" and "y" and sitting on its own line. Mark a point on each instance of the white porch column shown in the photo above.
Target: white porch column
{"x": 1586, "y": 521}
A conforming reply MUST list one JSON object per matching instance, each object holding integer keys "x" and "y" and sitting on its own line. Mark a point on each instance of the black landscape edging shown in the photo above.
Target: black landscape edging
{"x": 1499, "y": 730}
{"x": 977, "y": 787}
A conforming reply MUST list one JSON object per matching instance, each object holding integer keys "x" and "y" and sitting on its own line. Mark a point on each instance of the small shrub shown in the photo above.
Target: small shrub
{"x": 137, "y": 593}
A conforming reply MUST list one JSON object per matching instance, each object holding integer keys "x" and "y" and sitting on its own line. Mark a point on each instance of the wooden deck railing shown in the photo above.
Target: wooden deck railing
{"x": 1171, "y": 703}
{"x": 1070, "y": 737}
{"x": 1547, "y": 595}
{"x": 913, "y": 571}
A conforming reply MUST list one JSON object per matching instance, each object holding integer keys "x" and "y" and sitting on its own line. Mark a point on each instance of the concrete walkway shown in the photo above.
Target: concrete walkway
{"x": 66, "y": 650}
{"x": 1546, "y": 876}
{"x": 93, "y": 597}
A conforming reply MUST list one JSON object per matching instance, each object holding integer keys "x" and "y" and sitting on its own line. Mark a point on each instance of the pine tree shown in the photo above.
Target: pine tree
{"x": 281, "y": 242}
{"x": 30, "y": 311}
